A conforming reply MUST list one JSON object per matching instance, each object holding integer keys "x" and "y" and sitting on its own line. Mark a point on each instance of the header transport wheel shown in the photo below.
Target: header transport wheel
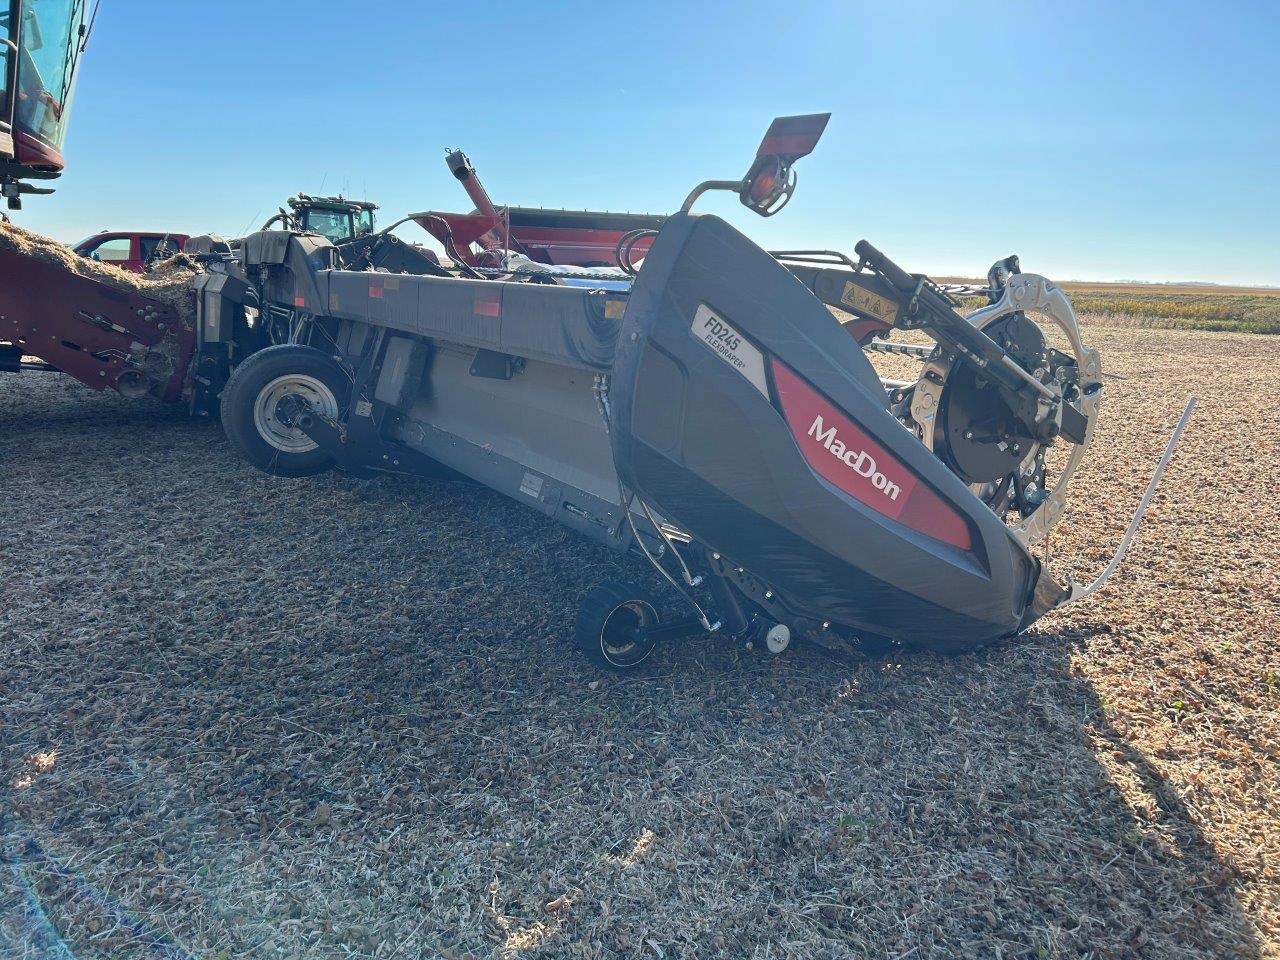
{"x": 265, "y": 399}
{"x": 612, "y": 621}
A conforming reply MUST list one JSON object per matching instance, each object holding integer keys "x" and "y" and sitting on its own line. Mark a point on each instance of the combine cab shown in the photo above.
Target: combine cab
{"x": 43, "y": 41}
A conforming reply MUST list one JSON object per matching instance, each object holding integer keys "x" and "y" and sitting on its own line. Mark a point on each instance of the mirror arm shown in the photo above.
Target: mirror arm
{"x": 706, "y": 185}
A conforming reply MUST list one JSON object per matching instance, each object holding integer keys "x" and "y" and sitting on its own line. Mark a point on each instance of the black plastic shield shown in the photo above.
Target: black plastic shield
{"x": 699, "y": 433}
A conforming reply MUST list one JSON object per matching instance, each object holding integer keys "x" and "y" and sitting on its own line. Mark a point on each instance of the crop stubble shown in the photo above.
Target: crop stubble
{"x": 326, "y": 718}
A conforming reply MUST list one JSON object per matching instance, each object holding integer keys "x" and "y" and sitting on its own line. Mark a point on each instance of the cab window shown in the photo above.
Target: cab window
{"x": 334, "y": 224}
{"x": 156, "y": 248}
{"x": 113, "y": 250}
{"x": 364, "y": 223}
{"x": 52, "y": 31}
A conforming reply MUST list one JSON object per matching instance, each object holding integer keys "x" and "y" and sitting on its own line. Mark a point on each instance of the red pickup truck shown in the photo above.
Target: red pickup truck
{"x": 130, "y": 250}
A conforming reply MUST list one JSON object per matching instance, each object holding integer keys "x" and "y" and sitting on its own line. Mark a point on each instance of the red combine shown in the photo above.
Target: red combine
{"x": 41, "y": 45}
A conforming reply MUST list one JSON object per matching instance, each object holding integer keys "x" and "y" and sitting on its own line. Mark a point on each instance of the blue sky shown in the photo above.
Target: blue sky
{"x": 1096, "y": 140}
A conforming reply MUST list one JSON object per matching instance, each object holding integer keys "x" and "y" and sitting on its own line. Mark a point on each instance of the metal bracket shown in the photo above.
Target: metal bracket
{"x": 494, "y": 365}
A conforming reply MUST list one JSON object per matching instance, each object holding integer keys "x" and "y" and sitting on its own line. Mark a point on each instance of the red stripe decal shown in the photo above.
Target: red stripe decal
{"x": 299, "y": 301}
{"x": 844, "y": 454}
{"x": 375, "y": 293}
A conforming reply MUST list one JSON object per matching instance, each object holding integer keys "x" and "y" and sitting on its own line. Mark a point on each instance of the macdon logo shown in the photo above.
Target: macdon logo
{"x": 859, "y": 461}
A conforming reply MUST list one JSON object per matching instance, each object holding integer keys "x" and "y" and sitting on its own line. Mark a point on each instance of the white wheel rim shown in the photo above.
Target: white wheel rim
{"x": 280, "y": 435}
{"x": 778, "y": 638}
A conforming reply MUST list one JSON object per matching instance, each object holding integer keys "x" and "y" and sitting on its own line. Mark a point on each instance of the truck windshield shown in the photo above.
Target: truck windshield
{"x": 51, "y": 38}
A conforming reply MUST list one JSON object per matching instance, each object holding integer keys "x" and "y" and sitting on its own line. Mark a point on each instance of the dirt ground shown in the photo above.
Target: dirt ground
{"x": 251, "y": 717}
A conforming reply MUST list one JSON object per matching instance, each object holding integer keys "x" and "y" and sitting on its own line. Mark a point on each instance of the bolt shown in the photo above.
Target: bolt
{"x": 159, "y": 326}
{"x": 768, "y": 594}
{"x": 715, "y": 556}
{"x": 968, "y": 434}
{"x": 826, "y": 624}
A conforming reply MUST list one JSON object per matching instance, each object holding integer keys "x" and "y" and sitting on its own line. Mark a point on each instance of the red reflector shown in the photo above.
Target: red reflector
{"x": 299, "y": 301}
{"x": 763, "y": 185}
{"x": 844, "y": 454}
{"x": 487, "y": 307}
{"x": 375, "y": 293}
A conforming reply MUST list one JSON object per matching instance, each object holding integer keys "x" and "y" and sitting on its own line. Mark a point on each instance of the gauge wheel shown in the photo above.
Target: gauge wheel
{"x": 265, "y": 399}
{"x": 609, "y": 621}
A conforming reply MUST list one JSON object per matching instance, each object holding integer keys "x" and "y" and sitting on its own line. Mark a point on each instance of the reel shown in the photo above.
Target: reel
{"x": 996, "y": 449}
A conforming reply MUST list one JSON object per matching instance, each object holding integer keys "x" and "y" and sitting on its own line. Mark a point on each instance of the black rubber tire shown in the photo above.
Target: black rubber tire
{"x": 609, "y": 611}
{"x": 241, "y": 393}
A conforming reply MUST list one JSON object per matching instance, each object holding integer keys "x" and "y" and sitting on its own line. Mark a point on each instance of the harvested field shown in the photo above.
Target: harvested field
{"x": 252, "y": 717}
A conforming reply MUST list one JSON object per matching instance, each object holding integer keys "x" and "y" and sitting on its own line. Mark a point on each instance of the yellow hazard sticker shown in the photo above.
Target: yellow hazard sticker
{"x": 864, "y": 301}
{"x": 614, "y": 309}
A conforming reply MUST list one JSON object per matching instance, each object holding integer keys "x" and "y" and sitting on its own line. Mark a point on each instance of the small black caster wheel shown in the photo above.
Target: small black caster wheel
{"x": 610, "y": 624}
{"x": 766, "y": 636}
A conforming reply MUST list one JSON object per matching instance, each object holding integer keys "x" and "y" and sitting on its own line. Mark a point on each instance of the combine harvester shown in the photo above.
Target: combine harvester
{"x": 43, "y": 43}
{"x": 703, "y": 408}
